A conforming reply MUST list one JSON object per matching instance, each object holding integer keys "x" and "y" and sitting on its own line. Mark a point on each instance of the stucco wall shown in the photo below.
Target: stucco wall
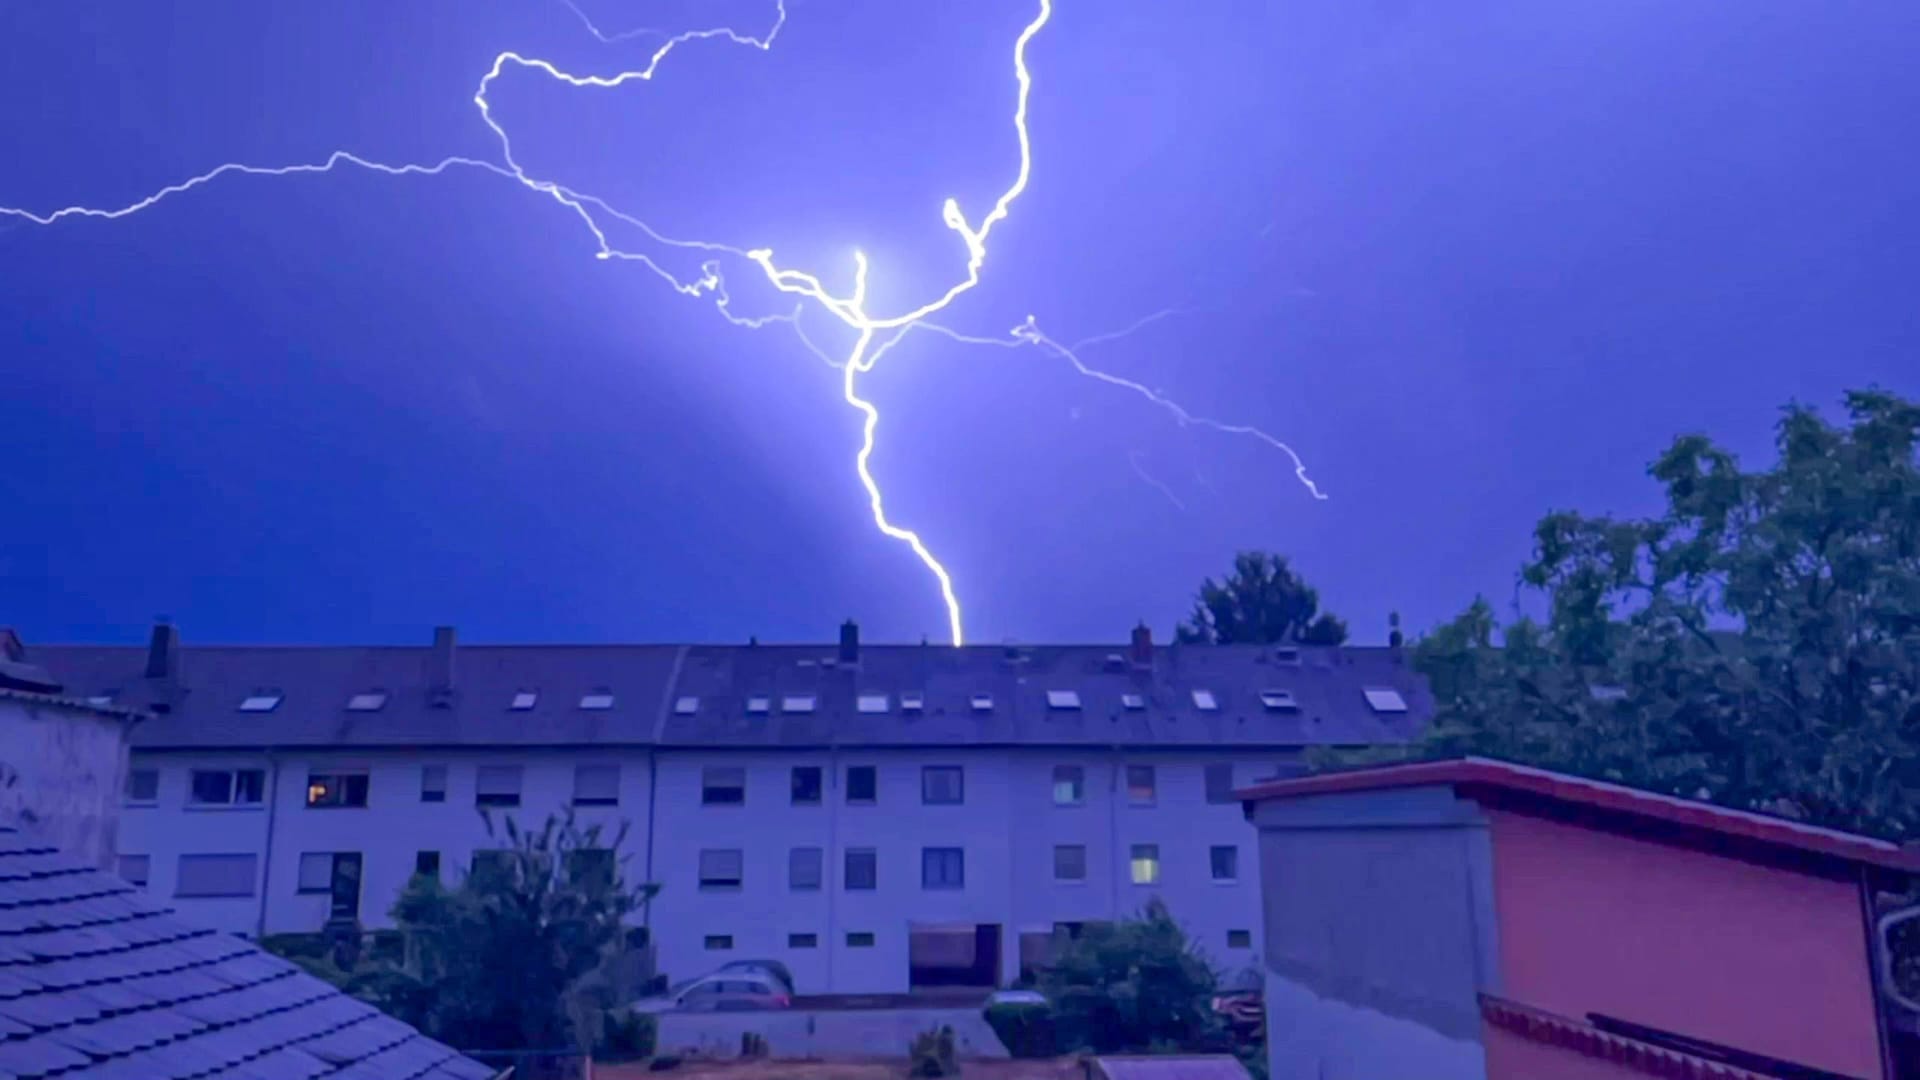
{"x": 1378, "y": 917}
{"x": 1765, "y": 959}
{"x": 61, "y": 769}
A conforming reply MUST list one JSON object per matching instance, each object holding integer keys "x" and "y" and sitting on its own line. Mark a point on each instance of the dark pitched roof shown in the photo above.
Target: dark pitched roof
{"x": 99, "y": 982}
{"x": 1328, "y": 686}
{"x": 1485, "y": 774}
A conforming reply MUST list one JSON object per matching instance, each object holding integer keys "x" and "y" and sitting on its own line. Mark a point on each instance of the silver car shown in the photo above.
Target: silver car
{"x": 722, "y": 991}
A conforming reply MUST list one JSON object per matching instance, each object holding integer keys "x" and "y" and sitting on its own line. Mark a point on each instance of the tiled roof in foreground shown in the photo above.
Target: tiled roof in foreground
{"x": 99, "y": 982}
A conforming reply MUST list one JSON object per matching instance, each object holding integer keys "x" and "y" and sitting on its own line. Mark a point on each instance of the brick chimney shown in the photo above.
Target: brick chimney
{"x": 440, "y": 668}
{"x": 849, "y": 642}
{"x": 1142, "y": 650}
{"x": 163, "y": 651}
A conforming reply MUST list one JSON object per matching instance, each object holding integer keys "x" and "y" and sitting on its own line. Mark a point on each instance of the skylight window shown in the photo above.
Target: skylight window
{"x": 1205, "y": 701}
{"x": 264, "y": 701}
{"x": 1278, "y": 700}
{"x": 1063, "y": 699}
{"x": 759, "y": 706}
{"x": 524, "y": 700}
{"x": 798, "y": 703}
{"x": 981, "y": 702}
{"x": 597, "y": 700}
{"x": 913, "y": 701}
{"x": 370, "y": 701}
{"x": 876, "y": 703}
{"x": 1133, "y": 702}
{"x": 686, "y": 706}
{"x": 1386, "y": 700}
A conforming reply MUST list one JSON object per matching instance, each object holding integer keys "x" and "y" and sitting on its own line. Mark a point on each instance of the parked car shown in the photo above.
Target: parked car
{"x": 1244, "y": 1013}
{"x": 722, "y": 991}
{"x": 773, "y": 969}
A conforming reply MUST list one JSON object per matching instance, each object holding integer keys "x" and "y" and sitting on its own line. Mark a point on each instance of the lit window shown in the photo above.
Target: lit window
{"x": 875, "y": 703}
{"x": 982, "y": 702}
{"x": 599, "y": 699}
{"x": 686, "y": 706}
{"x": 797, "y": 703}
{"x": 1278, "y": 700}
{"x": 368, "y": 702}
{"x": 1063, "y": 699}
{"x": 759, "y": 705}
{"x": 524, "y": 700}
{"x": 913, "y": 701}
{"x": 265, "y": 701}
{"x": 1145, "y": 863}
{"x": 1205, "y": 701}
{"x": 1133, "y": 702}
{"x": 336, "y": 789}
{"x": 1386, "y": 700}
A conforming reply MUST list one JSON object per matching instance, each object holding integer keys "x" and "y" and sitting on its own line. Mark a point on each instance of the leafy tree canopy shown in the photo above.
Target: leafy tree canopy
{"x": 1756, "y": 643}
{"x": 1133, "y": 986}
{"x": 1261, "y": 602}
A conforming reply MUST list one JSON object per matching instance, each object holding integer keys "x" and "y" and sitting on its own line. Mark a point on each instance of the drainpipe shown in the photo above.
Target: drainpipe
{"x": 1117, "y": 859}
{"x": 828, "y": 859}
{"x": 266, "y": 856}
{"x": 653, "y": 787}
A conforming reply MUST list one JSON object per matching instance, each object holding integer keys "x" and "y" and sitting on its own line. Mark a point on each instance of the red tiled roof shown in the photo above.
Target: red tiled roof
{"x": 1597, "y": 794}
{"x": 1583, "y": 1038}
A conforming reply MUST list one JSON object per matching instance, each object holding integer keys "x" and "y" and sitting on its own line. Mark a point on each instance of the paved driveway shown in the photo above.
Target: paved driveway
{"x": 827, "y": 1032}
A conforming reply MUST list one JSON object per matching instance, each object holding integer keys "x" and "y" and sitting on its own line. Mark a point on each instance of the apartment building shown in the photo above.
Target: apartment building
{"x": 879, "y": 818}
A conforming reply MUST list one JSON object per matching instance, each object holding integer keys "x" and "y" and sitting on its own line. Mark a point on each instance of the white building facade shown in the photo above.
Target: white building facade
{"x": 879, "y": 819}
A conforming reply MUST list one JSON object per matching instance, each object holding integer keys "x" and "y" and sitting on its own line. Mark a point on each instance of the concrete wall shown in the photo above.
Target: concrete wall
{"x": 61, "y": 771}
{"x": 1007, "y": 826}
{"x": 1769, "y": 960}
{"x": 1379, "y": 935}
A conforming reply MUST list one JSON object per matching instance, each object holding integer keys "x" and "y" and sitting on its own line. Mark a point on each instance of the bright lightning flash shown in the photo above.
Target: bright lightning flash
{"x": 850, "y": 310}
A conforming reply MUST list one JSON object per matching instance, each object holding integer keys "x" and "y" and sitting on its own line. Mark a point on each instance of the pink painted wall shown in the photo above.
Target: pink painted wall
{"x": 1767, "y": 960}
{"x": 1512, "y": 1057}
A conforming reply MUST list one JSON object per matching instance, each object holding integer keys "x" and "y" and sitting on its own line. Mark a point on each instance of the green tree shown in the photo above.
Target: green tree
{"x": 1261, "y": 602}
{"x": 526, "y": 952}
{"x": 1133, "y": 986}
{"x": 1756, "y": 643}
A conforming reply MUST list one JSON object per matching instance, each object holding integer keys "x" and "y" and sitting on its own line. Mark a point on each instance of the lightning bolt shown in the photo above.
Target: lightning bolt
{"x": 874, "y": 335}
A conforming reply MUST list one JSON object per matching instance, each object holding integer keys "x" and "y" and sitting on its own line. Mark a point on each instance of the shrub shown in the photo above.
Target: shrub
{"x": 1026, "y": 1030}
{"x": 932, "y": 1054}
{"x": 626, "y": 1036}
